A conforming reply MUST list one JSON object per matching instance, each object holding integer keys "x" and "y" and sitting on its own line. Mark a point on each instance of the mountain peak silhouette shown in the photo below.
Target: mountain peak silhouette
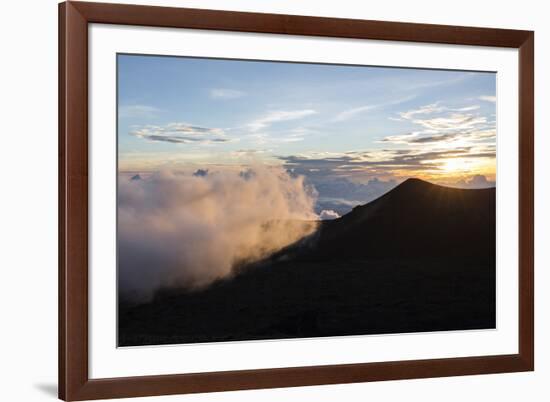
{"x": 416, "y": 218}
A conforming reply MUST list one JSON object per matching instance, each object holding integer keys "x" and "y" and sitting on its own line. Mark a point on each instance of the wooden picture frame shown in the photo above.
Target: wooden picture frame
{"x": 74, "y": 381}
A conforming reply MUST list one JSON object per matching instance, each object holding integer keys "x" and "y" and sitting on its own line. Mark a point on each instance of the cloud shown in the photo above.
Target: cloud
{"x": 386, "y": 161}
{"x": 426, "y": 109}
{"x": 354, "y": 178}
{"x": 433, "y": 108}
{"x": 414, "y": 138}
{"x": 488, "y": 98}
{"x": 401, "y": 138}
{"x": 444, "y": 126}
{"x": 484, "y": 134}
{"x": 181, "y": 133}
{"x": 200, "y": 173}
{"x": 415, "y": 86}
{"x": 328, "y": 215}
{"x": 290, "y": 139}
{"x": 144, "y": 111}
{"x": 278, "y": 116}
{"x": 249, "y": 153}
{"x": 180, "y": 230}
{"x": 348, "y": 114}
{"x": 224, "y": 93}
{"x": 275, "y": 137}
{"x": 351, "y": 113}
{"x": 466, "y": 108}
{"x": 480, "y": 181}
{"x": 456, "y": 121}
{"x": 338, "y": 189}
{"x": 433, "y": 138}
{"x": 469, "y": 135}
{"x": 475, "y": 181}
{"x": 301, "y": 131}
{"x": 341, "y": 194}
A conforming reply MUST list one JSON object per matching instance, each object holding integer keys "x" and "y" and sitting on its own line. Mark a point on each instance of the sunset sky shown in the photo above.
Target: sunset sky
{"x": 328, "y": 122}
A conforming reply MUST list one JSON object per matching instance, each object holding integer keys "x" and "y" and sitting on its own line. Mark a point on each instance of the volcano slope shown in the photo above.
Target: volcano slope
{"x": 419, "y": 258}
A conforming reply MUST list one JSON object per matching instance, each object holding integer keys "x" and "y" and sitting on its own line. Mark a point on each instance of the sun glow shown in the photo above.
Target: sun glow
{"x": 450, "y": 170}
{"x": 457, "y": 165}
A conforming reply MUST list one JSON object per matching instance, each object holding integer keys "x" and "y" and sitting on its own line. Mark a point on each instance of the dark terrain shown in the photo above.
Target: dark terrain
{"x": 419, "y": 258}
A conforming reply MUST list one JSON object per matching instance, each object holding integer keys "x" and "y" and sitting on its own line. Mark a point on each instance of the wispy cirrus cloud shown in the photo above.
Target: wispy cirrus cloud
{"x": 180, "y": 133}
{"x": 278, "y": 116}
{"x": 402, "y": 138}
{"x": 466, "y": 108}
{"x": 353, "y": 112}
{"x": 450, "y": 141}
{"x": 250, "y": 153}
{"x": 455, "y": 121}
{"x": 418, "y": 86}
{"x": 348, "y": 114}
{"x": 226, "y": 93}
{"x": 441, "y": 124}
{"x": 414, "y": 138}
{"x": 146, "y": 111}
{"x": 426, "y": 109}
{"x": 434, "y": 108}
{"x": 488, "y": 98}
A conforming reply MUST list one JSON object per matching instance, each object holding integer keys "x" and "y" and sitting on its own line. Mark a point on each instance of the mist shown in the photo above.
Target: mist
{"x": 184, "y": 230}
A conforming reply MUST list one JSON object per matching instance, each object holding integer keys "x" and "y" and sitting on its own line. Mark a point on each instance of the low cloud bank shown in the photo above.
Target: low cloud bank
{"x": 189, "y": 230}
{"x": 328, "y": 214}
{"x": 473, "y": 182}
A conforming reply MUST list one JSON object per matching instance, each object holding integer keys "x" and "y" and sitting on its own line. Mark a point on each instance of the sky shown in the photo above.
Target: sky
{"x": 343, "y": 127}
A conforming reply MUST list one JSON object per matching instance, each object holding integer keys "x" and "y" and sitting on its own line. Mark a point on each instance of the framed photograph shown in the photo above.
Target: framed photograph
{"x": 259, "y": 200}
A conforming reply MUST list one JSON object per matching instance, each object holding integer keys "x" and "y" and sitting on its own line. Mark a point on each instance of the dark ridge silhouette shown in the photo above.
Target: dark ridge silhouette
{"x": 419, "y": 258}
{"x": 415, "y": 219}
{"x": 136, "y": 177}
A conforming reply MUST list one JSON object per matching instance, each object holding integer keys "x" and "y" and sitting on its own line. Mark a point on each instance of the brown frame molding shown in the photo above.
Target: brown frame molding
{"x": 74, "y": 17}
